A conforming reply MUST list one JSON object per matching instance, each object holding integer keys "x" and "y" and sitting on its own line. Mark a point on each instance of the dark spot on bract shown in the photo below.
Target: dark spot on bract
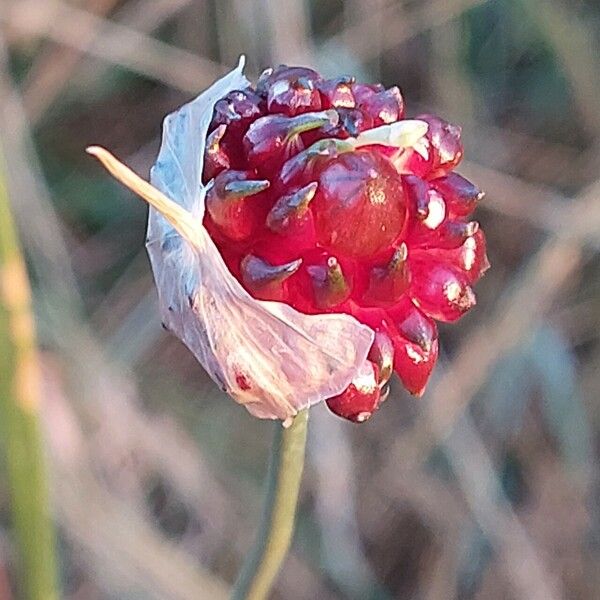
{"x": 242, "y": 381}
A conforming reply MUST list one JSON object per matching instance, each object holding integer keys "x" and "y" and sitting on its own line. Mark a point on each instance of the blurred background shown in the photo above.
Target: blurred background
{"x": 486, "y": 488}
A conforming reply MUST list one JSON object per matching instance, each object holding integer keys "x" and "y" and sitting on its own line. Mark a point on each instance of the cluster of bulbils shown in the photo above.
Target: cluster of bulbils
{"x": 302, "y": 216}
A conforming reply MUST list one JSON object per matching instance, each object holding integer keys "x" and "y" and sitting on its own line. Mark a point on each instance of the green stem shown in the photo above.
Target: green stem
{"x": 19, "y": 418}
{"x": 277, "y": 523}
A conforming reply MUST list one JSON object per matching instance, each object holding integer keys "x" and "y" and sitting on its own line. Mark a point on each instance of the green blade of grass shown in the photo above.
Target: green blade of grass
{"x": 19, "y": 418}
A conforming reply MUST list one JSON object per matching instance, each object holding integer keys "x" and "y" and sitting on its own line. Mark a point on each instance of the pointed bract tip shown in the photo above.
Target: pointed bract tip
{"x": 335, "y": 277}
{"x": 472, "y": 228}
{"x": 264, "y": 280}
{"x": 302, "y": 198}
{"x": 418, "y": 393}
{"x": 382, "y": 355}
{"x": 385, "y": 394}
{"x": 290, "y": 208}
{"x": 259, "y": 271}
{"x": 95, "y": 150}
{"x": 330, "y": 286}
{"x": 309, "y": 190}
{"x": 399, "y": 257}
{"x": 244, "y": 187}
{"x": 333, "y": 266}
{"x": 312, "y": 120}
{"x": 217, "y": 135}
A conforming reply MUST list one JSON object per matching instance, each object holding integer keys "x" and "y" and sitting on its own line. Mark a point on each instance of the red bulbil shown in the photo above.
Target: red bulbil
{"x": 441, "y": 152}
{"x": 232, "y": 116}
{"x": 337, "y": 93}
{"x": 363, "y": 91}
{"x": 384, "y": 107}
{"x": 271, "y": 140}
{"x": 359, "y": 206}
{"x": 447, "y": 235}
{"x": 445, "y": 145}
{"x": 360, "y": 399}
{"x": 415, "y": 345}
{"x": 307, "y": 165}
{"x": 215, "y": 156}
{"x": 264, "y": 280}
{"x": 440, "y": 290}
{"x": 290, "y": 228}
{"x": 291, "y": 211}
{"x": 413, "y": 324}
{"x": 461, "y": 196}
{"x": 291, "y": 90}
{"x": 413, "y": 365}
{"x": 470, "y": 257}
{"x": 417, "y": 194}
{"x": 302, "y": 214}
{"x": 388, "y": 282}
{"x": 237, "y": 110}
{"x": 382, "y": 356}
{"x": 235, "y": 203}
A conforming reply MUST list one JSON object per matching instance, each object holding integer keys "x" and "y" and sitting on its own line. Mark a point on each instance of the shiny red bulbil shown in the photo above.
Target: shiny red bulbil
{"x": 383, "y": 236}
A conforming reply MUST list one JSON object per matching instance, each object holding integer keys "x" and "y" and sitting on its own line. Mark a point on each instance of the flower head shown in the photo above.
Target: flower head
{"x": 319, "y": 203}
{"x": 343, "y": 224}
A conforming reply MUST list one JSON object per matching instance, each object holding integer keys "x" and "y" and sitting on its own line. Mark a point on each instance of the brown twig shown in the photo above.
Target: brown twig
{"x": 116, "y": 43}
